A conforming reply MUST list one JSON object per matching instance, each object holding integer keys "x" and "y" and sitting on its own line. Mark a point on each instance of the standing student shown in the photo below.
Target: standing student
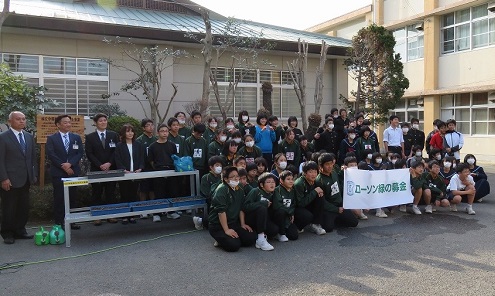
{"x": 284, "y": 204}
{"x": 279, "y": 132}
{"x": 17, "y": 173}
{"x": 243, "y": 125}
{"x": 215, "y": 147}
{"x": 250, "y": 151}
{"x": 461, "y": 186}
{"x": 417, "y": 135}
{"x": 129, "y": 156}
{"x": 430, "y": 134}
{"x": 307, "y": 148}
{"x": 365, "y": 144}
{"x": 230, "y": 126}
{"x": 290, "y": 148}
{"x": 229, "y": 152}
{"x": 408, "y": 140}
{"x": 197, "y": 148}
{"x": 348, "y": 144}
{"x": 146, "y": 139}
{"x": 210, "y": 133}
{"x": 100, "y": 150}
{"x": 292, "y": 123}
{"x": 184, "y": 131}
{"x": 196, "y": 117}
{"x": 393, "y": 139}
{"x": 438, "y": 139}
{"x": 64, "y": 149}
{"x": 327, "y": 139}
{"x": 226, "y": 219}
{"x": 453, "y": 140}
{"x": 264, "y": 137}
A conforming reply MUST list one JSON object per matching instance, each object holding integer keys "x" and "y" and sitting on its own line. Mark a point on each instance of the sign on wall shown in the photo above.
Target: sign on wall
{"x": 45, "y": 126}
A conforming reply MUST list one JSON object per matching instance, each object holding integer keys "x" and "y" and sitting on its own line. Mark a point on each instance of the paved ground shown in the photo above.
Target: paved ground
{"x": 444, "y": 253}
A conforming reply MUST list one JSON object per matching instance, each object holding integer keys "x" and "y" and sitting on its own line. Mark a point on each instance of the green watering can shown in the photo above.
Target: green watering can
{"x": 57, "y": 235}
{"x": 41, "y": 237}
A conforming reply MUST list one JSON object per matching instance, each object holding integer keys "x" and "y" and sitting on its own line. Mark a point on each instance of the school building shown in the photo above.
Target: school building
{"x": 447, "y": 47}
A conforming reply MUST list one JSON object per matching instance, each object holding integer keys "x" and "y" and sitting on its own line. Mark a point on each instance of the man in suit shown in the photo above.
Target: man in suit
{"x": 17, "y": 173}
{"x": 100, "y": 150}
{"x": 64, "y": 150}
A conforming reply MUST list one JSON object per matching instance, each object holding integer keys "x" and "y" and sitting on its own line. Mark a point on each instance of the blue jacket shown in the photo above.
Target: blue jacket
{"x": 264, "y": 139}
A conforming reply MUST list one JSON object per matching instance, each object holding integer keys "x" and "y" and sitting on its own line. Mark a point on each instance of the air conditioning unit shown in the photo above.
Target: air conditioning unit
{"x": 419, "y": 26}
{"x": 491, "y": 6}
{"x": 491, "y": 97}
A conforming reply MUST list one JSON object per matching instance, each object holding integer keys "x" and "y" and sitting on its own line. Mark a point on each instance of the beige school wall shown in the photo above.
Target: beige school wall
{"x": 186, "y": 73}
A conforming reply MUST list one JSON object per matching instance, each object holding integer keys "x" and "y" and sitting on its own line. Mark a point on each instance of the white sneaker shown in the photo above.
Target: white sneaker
{"x": 416, "y": 210}
{"x": 470, "y": 211}
{"x": 453, "y": 208}
{"x": 157, "y": 218}
{"x": 480, "y": 200}
{"x": 179, "y": 213}
{"x": 403, "y": 208}
{"x": 262, "y": 243}
{"x": 362, "y": 216}
{"x": 316, "y": 228}
{"x": 381, "y": 213}
{"x": 173, "y": 216}
{"x": 281, "y": 238}
{"x": 145, "y": 216}
{"x": 215, "y": 244}
{"x": 197, "y": 223}
{"x": 428, "y": 209}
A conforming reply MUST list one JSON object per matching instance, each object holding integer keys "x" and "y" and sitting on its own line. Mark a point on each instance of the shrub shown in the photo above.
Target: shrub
{"x": 116, "y": 122}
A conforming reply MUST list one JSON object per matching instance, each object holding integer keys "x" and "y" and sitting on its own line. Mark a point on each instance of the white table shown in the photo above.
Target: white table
{"x": 83, "y": 214}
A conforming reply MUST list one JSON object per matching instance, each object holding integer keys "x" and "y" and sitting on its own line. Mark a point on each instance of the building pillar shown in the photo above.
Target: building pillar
{"x": 377, "y": 10}
{"x": 431, "y": 57}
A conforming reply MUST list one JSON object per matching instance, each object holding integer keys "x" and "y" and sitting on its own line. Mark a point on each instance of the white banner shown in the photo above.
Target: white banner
{"x": 376, "y": 189}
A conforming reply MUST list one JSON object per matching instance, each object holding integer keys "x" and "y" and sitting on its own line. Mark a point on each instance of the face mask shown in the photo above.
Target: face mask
{"x": 213, "y": 125}
{"x": 237, "y": 140}
{"x": 245, "y": 118}
{"x": 282, "y": 165}
{"x": 447, "y": 164}
{"x": 218, "y": 170}
{"x": 250, "y": 144}
{"x": 233, "y": 183}
{"x": 335, "y": 116}
{"x": 378, "y": 160}
{"x": 182, "y": 121}
{"x": 352, "y": 168}
{"x": 418, "y": 153}
{"x": 230, "y": 127}
{"x": 394, "y": 161}
{"x": 454, "y": 165}
{"x": 470, "y": 160}
{"x": 352, "y": 136}
{"x": 415, "y": 126}
{"x": 405, "y": 129}
{"x": 435, "y": 128}
{"x": 330, "y": 126}
{"x": 438, "y": 157}
{"x": 223, "y": 138}
{"x": 369, "y": 156}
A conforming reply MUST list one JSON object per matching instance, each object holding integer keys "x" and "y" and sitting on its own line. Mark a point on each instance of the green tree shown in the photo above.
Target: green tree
{"x": 17, "y": 95}
{"x": 378, "y": 71}
{"x": 108, "y": 109}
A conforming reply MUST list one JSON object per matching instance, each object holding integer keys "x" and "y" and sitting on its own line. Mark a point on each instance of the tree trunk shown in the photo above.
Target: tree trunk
{"x": 267, "y": 89}
{"x": 207, "y": 54}
{"x": 319, "y": 77}
{"x": 358, "y": 93}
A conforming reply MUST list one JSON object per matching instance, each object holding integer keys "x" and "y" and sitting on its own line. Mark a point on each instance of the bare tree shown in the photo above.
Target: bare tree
{"x": 267, "y": 89}
{"x": 5, "y": 12}
{"x": 319, "y": 77}
{"x": 147, "y": 65}
{"x": 207, "y": 55}
{"x": 297, "y": 70}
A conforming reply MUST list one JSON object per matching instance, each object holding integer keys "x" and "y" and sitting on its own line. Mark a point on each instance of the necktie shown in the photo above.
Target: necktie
{"x": 66, "y": 143}
{"x": 23, "y": 144}
{"x": 102, "y": 139}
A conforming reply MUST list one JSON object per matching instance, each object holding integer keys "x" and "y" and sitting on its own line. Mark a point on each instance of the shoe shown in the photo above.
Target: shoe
{"x": 8, "y": 240}
{"x": 380, "y": 213}
{"x": 132, "y": 221}
{"x": 281, "y": 238}
{"x": 362, "y": 217}
{"x": 403, "y": 208}
{"x": 434, "y": 209}
{"x": 453, "y": 208}
{"x": 24, "y": 236}
{"x": 215, "y": 244}
{"x": 480, "y": 200}
{"x": 125, "y": 221}
{"x": 157, "y": 218}
{"x": 470, "y": 211}
{"x": 145, "y": 216}
{"x": 428, "y": 209}
{"x": 197, "y": 223}
{"x": 97, "y": 223}
{"x": 188, "y": 212}
{"x": 75, "y": 227}
{"x": 173, "y": 216}
{"x": 262, "y": 243}
{"x": 179, "y": 213}
{"x": 112, "y": 220}
{"x": 416, "y": 210}
{"x": 316, "y": 228}
{"x": 300, "y": 230}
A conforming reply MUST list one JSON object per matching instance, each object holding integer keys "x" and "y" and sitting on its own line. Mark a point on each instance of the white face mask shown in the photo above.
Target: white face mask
{"x": 369, "y": 156}
{"x": 393, "y": 161}
{"x": 237, "y": 140}
{"x": 230, "y": 127}
{"x": 335, "y": 116}
{"x": 352, "y": 136}
{"x": 415, "y": 126}
{"x": 218, "y": 170}
{"x": 419, "y": 153}
{"x": 233, "y": 183}
{"x": 245, "y": 118}
{"x": 435, "y": 128}
{"x": 181, "y": 121}
{"x": 282, "y": 165}
{"x": 378, "y": 160}
{"x": 447, "y": 164}
{"x": 438, "y": 157}
{"x": 223, "y": 138}
{"x": 352, "y": 168}
{"x": 454, "y": 165}
{"x": 330, "y": 126}
{"x": 250, "y": 144}
{"x": 405, "y": 129}
{"x": 213, "y": 125}
{"x": 470, "y": 161}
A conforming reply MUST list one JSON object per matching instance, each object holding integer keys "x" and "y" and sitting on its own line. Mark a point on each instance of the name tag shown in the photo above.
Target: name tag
{"x": 287, "y": 202}
{"x": 367, "y": 146}
{"x": 178, "y": 148}
{"x": 111, "y": 144}
{"x": 198, "y": 153}
{"x": 250, "y": 160}
{"x": 335, "y": 188}
{"x": 289, "y": 155}
{"x": 75, "y": 146}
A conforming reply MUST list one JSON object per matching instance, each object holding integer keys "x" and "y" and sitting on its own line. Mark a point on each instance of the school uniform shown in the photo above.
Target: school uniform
{"x": 481, "y": 182}
{"x": 250, "y": 153}
{"x": 256, "y": 209}
{"x": 129, "y": 157}
{"x": 197, "y": 149}
{"x": 309, "y": 206}
{"x": 283, "y": 207}
{"x": 346, "y": 146}
{"x": 292, "y": 152}
{"x": 436, "y": 185}
{"x": 209, "y": 135}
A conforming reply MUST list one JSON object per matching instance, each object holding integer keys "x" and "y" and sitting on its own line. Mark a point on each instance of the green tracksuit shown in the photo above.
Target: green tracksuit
{"x": 292, "y": 152}
{"x": 436, "y": 185}
{"x": 285, "y": 200}
{"x": 209, "y": 135}
{"x": 331, "y": 191}
{"x": 226, "y": 200}
{"x": 179, "y": 142}
{"x": 305, "y": 193}
{"x": 250, "y": 153}
{"x": 256, "y": 198}
{"x": 185, "y": 132}
{"x": 207, "y": 181}
{"x": 197, "y": 149}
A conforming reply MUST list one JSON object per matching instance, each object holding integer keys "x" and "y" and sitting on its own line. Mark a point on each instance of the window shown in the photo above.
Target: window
{"x": 408, "y": 109}
{"x": 468, "y": 29}
{"x": 409, "y": 43}
{"x": 76, "y": 83}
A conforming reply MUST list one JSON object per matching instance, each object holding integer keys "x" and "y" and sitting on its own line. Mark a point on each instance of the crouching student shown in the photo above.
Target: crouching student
{"x": 434, "y": 187}
{"x": 243, "y": 181}
{"x": 350, "y": 162}
{"x": 256, "y": 207}
{"x": 479, "y": 176}
{"x": 309, "y": 200}
{"x": 226, "y": 219}
{"x": 417, "y": 184}
{"x": 284, "y": 203}
{"x": 462, "y": 186}
{"x": 334, "y": 214}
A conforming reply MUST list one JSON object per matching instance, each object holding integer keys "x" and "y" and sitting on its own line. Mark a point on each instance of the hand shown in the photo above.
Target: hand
{"x": 6, "y": 185}
{"x": 247, "y": 228}
{"x": 341, "y": 210}
{"x": 105, "y": 166}
{"x": 316, "y": 136}
{"x": 231, "y": 233}
{"x": 126, "y": 171}
{"x": 69, "y": 172}
{"x": 291, "y": 219}
{"x": 403, "y": 155}
{"x": 319, "y": 191}
{"x": 448, "y": 150}
{"x": 66, "y": 165}
{"x": 138, "y": 171}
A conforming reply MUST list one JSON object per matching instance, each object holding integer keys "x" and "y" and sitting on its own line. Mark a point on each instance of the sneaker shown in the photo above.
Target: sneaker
{"x": 179, "y": 213}
{"x": 262, "y": 243}
{"x": 281, "y": 238}
{"x": 416, "y": 210}
{"x": 215, "y": 244}
{"x": 428, "y": 209}
{"x": 362, "y": 216}
{"x": 380, "y": 213}
{"x": 480, "y": 200}
{"x": 434, "y": 209}
{"x": 197, "y": 223}
{"x": 125, "y": 221}
{"x": 157, "y": 218}
{"x": 316, "y": 228}
{"x": 300, "y": 230}
{"x": 470, "y": 211}
{"x": 453, "y": 208}
{"x": 403, "y": 208}
{"x": 173, "y": 216}
{"x": 188, "y": 212}
{"x": 145, "y": 216}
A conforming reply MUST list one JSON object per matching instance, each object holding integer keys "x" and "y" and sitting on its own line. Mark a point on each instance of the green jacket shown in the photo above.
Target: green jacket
{"x": 226, "y": 200}
{"x": 284, "y": 199}
{"x": 146, "y": 142}
{"x": 185, "y": 132}
{"x": 436, "y": 185}
{"x": 418, "y": 182}
{"x": 214, "y": 149}
{"x": 197, "y": 149}
{"x": 207, "y": 181}
{"x": 292, "y": 152}
{"x": 209, "y": 135}
{"x": 256, "y": 198}
{"x": 331, "y": 191}
{"x": 363, "y": 144}
{"x": 250, "y": 155}
{"x": 305, "y": 192}
{"x": 179, "y": 142}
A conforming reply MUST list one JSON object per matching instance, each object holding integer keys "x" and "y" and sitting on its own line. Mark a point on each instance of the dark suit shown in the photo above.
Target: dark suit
{"x": 128, "y": 188}
{"x": 55, "y": 151}
{"x": 20, "y": 169}
{"x": 97, "y": 156}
